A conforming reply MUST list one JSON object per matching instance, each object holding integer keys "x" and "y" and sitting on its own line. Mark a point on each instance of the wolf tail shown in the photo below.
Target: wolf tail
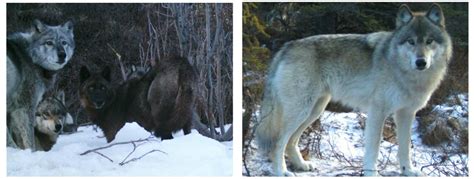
{"x": 269, "y": 129}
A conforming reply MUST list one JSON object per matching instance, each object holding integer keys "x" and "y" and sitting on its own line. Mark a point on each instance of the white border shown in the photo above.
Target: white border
{"x": 237, "y": 71}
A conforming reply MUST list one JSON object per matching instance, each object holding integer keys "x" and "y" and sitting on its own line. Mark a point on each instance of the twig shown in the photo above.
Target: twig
{"x": 119, "y": 58}
{"x": 125, "y": 161}
{"x": 138, "y": 158}
{"x": 104, "y": 156}
{"x": 133, "y": 150}
{"x": 118, "y": 143}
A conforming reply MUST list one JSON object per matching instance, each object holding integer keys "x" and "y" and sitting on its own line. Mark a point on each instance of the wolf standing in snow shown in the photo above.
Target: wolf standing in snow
{"x": 381, "y": 73}
{"x": 33, "y": 58}
{"x": 161, "y": 99}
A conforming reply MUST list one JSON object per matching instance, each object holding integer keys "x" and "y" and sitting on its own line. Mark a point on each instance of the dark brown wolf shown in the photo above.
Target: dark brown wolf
{"x": 161, "y": 101}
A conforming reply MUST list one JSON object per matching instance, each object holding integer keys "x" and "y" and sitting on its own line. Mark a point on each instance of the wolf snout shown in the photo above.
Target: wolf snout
{"x": 61, "y": 57}
{"x": 420, "y": 63}
{"x": 99, "y": 104}
{"x": 58, "y": 128}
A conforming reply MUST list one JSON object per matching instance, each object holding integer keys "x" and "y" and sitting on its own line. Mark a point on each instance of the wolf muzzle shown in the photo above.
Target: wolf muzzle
{"x": 420, "y": 63}
{"x": 61, "y": 56}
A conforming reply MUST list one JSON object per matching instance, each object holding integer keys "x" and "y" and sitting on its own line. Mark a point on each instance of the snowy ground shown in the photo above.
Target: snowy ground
{"x": 338, "y": 150}
{"x": 185, "y": 155}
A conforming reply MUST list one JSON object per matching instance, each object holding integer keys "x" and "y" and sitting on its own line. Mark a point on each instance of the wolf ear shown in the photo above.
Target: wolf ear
{"x": 404, "y": 15}
{"x": 106, "y": 73}
{"x": 69, "y": 26}
{"x": 435, "y": 15}
{"x": 38, "y": 26}
{"x": 84, "y": 74}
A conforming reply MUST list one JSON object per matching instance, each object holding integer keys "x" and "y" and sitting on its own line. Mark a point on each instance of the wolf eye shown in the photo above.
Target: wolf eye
{"x": 102, "y": 87}
{"x": 49, "y": 42}
{"x": 411, "y": 41}
{"x": 64, "y": 43}
{"x": 91, "y": 88}
{"x": 429, "y": 41}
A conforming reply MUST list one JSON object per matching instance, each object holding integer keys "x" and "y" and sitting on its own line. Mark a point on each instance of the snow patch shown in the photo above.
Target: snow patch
{"x": 338, "y": 149}
{"x": 185, "y": 155}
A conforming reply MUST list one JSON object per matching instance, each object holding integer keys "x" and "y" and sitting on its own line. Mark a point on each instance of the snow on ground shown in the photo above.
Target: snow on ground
{"x": 185, "y": 155}
{"x": 338, "y": 150}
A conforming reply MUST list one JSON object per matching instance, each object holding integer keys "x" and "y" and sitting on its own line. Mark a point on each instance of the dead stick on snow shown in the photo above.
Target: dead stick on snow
{"x": 138, "y": 158}
{"x": 118, "y": 143}
{"x": 124, "y": 161}
{"x": 105, "y": 156}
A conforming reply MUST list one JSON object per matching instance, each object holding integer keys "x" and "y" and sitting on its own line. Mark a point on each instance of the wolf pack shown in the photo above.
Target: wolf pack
{"x": 381, "y": 73}
{"x": 160, "y": 99}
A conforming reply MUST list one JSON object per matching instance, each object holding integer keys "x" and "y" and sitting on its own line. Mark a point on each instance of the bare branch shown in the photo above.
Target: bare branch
{"x": 138, "y": 158}
{"x": 135, "y": 146}
{"x": 104, "y": 156}
{"x": 119, "y": 58}
{"x": 209, "y": 132}
{"x": 114, "y": 144}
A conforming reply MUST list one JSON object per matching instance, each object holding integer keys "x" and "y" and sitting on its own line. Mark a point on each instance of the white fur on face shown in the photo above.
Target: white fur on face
{"x": 46, "y": 54}
{"x": 47, "y": 57}
{"x": 47, "y": 126}
{"x": 409, "y": 55}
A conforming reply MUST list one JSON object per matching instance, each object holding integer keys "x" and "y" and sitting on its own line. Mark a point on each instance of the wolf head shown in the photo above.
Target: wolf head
{"x": 51, "y": 47}
{"x": 51, "y": 115}
{"x": 420, "y": 39}
{"x": 95, "y": 91}
{"x": 97, "y": 97}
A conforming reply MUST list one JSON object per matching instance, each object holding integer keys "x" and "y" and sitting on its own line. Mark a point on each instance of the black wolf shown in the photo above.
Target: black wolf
{"x": 161, "y": 101}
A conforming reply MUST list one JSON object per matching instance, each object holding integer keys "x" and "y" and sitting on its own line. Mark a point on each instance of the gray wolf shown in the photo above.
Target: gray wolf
{"x": 33, "y": 58}
{"x": 50, "y": 117}
{"x": 381, "y": 73}
{"x": 161, "y": 101}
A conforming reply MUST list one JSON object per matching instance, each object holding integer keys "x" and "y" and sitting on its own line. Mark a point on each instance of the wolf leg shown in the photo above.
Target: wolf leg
{"x": 292, "y": 150}
{"x": 187, "y": 127}
{"x": 404, "y": 120}
{"x": 10, "y": 141}
{"x": 278, "y": 158}
{"x": 22, "y": 129}
{"x": 373, "y": 135}
{"x": 297, "y": 110}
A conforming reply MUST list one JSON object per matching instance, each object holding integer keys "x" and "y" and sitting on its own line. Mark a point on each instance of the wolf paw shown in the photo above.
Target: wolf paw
{"x": 304, "y": 166}
{"x": 287, "y": 173}
{"x": 412, "y": 172}
{"x": 283, "y": 173}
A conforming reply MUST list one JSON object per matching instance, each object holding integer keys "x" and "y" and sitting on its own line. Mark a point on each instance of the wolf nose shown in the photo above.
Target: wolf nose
{"x": 420, "y": 63}
{"x": 57, "y": 128}
{"x": 62, "y": 57}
